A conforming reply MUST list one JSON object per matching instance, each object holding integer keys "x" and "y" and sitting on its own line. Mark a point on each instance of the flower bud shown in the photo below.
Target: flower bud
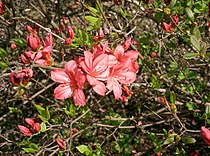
{"x": 33, "y": 41}
{"x": 30, "y": 121}
{"x": 153, "y": 55}
{"x": 127, "y": 43}
{"x": 68, "y": 41}
{"x": 2, "y": 8}
{"x": 70, "y": 32}
{"x": 205, "y": 134}
{"x": 25, "y": 130}
{"x": 166, "y": 27}
{"x": 60, "y": 143}
{"x": 37, "y": 127}
{"x": 13, "y": 46}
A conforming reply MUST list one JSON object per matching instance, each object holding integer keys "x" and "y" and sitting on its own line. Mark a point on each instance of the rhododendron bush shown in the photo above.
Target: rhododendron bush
{"x": 112, "y": 77}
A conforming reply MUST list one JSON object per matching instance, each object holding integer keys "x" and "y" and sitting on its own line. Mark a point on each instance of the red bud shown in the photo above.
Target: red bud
{"x": 205, "y": 134}
{"x": 60, "y": 143}
{"x": 25, "y": 130}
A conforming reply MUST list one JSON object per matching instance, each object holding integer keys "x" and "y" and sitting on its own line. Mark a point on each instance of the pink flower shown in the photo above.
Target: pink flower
{"x": 205, "y": 134}
{"x": 72, "y": 80}
{"x": 97, "y": 71}
{"x": 25, "y": 130}
{"x": 14, "y": 79}
{"x": 21, "y": 78}
{"x": 120, "y": 74}
{"x": 2, "y": 8}
{"x": 43, "y": 56}
{"x": 166, "y": 27}
{"x": 60, "y": 143}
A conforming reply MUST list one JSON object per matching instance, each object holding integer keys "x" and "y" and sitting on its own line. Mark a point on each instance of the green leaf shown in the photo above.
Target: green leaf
{"x": 207, "y": 110}
{"x": 3, "y": 64}
{"x": 30, "y": 150}
{"x": 190, "y": 14}
{"x": 14, "y": 110}
{"x": 190, "y": 55}
{"x": 203, "y": 49}
{"x": 39, "y": 108}
{"x": 188, "y": 140}
{"x": 20, "y": 42}
{"x": 169, "y": 140}
{"x": 172, "y": 97}
{"x": 43, "y": 127}
{"x": 93, "y": 11}
{"x": 197, "y": 33}
{"x": 3, "y": 53}
{"x": 83, "y": 149}
{"x": 195, "y": 42}
{"x": 94, "y": 21}
{"x": 172, "y": 4}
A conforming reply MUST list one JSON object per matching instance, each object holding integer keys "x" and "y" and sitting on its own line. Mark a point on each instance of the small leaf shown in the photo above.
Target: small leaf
{"x": 172, "y": 4}
{"x": 39, "y": 108}
{"x": 3, "y": 53}
{"x": 30, "y": 150}
{"x": 3, "y": 65}
{"x": 43, "y": 127}
{"x": 83, "y": 149}
{"x": 197, "y": 33}
{"x": 190, "y": 14}
{"x": 168, "y": 140}
{"x": 207, "y": 110}
{"x": 203, "y": 49}
{"x": 188, "y": 140}
{"x": 172, "y": 97}
{"x": 14, "y": 110}
{"x": 190, "y": 55}
{"x": 195, "y": 42}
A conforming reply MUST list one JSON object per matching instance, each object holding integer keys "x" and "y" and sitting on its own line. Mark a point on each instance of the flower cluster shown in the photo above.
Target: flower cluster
{"x": 33, "y": 123}
{"x": 169, "y": 28}
{"x": 102, "y": 69}
{"x": 39, "y": 53}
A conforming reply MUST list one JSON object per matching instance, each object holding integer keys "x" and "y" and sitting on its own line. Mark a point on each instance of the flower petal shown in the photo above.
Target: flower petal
{"x": 100, "y": 88}
{"x": 79, "y": 97}
{"x": 62, "y": 92}
{"x": 59, "y": 76}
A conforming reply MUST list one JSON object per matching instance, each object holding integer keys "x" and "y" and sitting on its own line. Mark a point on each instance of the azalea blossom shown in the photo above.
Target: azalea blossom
{"x": 21, "y": 78}
{"x": 72, "y": 80}
{"x": 43, "y": 56}
{"x": 96, "y": 70}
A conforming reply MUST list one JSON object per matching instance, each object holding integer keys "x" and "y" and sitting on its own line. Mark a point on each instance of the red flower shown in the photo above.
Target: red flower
{"x": 60, "y": 143}
{"x": 25, "y": 130}
{"x": 2, "y": 8}
{"x": 205, "y": 134}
